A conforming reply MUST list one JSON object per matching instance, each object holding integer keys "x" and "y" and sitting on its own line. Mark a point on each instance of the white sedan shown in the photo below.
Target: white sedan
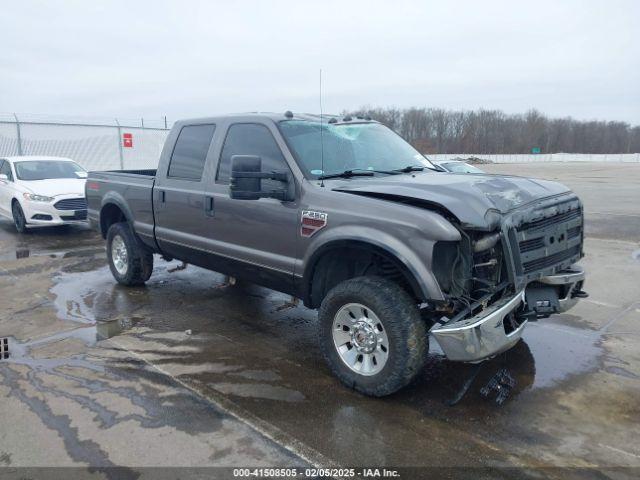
{"x": 42, "y": 191}
{"x": 456, "y": 166}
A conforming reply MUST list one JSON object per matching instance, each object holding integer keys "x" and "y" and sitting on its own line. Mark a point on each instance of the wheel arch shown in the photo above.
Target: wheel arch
{"x": 15, "y": 200}
{"x": 113, "y": 210}
{"x": 318, "y": 268}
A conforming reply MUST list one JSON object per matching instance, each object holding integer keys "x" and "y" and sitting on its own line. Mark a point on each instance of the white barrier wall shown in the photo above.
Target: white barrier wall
{"x": 543, "y": 157}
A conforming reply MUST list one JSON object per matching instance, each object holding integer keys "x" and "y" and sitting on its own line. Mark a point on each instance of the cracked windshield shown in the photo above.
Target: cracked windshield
{"x": 353, "y": 146}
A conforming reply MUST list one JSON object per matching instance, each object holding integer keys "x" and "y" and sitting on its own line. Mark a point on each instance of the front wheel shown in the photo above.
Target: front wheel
{"x": 19, "y": 220}
{"x": 372, "y": 336}
{"x": 131, "y": 263}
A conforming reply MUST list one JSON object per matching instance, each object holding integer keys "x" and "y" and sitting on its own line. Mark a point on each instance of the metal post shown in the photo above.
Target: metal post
{"x": 165, "y": 122}
{"x": 120, "y": 145}
{"x": 19, "y": 135}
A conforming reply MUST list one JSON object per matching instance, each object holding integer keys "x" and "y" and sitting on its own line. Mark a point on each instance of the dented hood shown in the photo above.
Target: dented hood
{"x": 469, "y": 197}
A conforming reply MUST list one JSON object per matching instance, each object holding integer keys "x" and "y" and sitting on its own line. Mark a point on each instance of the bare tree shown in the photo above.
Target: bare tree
{"x": 435, "y": 130}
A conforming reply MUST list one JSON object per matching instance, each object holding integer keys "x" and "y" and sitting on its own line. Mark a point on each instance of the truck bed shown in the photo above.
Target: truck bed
{"x": 131, "y": 190}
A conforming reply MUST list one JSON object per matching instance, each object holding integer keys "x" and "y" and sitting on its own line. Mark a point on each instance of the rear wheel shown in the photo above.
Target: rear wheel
{"x": 19, "y": 219}
{"x": 131, "y": 263}
{"x": 372, "y": 336}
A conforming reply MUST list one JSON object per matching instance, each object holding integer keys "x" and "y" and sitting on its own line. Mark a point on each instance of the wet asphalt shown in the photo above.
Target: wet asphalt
{"x": 190, "y": 371}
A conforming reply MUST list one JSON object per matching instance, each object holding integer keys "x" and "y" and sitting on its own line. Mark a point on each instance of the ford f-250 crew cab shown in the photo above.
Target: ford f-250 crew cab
{"x": 346, "y": 215}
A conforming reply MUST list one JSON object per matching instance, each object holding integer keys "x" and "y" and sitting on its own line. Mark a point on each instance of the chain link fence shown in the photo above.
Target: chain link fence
{"x": 96, "y": 144}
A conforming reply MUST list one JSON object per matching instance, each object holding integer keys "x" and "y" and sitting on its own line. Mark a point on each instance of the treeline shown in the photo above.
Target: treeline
{"x": 435, "y": 130}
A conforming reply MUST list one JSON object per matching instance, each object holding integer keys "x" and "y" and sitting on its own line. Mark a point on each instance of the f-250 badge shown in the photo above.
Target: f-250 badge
{"x": 312, "y": 222}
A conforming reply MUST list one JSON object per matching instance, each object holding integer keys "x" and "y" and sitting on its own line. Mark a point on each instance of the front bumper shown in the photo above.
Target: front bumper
{"x": 481, "y": 336}
{"x": 42, "y": 214}
{"x": 499, "y": 327}
{"x": 567, "y": 283}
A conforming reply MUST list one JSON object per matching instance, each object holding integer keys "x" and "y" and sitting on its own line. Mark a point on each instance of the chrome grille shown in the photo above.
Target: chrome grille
{"x": 71, "y": 204}
{"x": 551, "y": 240}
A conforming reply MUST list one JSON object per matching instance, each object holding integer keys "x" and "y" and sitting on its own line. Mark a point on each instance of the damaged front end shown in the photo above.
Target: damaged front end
{"x": 496, "y": 281}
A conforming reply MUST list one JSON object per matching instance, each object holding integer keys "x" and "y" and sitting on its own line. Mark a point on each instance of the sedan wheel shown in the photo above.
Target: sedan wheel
{"x": 18, "y": 218}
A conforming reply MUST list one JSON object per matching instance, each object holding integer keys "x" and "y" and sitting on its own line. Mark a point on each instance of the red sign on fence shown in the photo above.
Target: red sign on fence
{"x": 127, "y": 140}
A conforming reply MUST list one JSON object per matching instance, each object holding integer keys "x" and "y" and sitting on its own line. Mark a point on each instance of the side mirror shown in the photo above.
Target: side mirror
{"x": 246, "y": 180}
{"x": 4, "y": 177}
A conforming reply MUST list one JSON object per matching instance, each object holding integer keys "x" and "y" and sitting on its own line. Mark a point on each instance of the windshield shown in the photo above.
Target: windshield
{"x": 349, "y": 146}
{"x": 45, "y": 169}
{"x": 461, "y": 167}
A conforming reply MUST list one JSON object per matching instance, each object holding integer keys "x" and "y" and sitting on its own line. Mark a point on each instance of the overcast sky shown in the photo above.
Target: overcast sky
{"x": 184, "y": 59}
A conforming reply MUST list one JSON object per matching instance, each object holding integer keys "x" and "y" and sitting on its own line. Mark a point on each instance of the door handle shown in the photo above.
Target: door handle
{"x": 208, "y": 206}
{"x": 163, "y": 197}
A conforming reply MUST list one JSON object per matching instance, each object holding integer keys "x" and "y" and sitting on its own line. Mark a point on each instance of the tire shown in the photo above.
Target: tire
{"x": 19, "y": 219}
{"x": 369, "y": 300}
{"x": 130, "y": 262}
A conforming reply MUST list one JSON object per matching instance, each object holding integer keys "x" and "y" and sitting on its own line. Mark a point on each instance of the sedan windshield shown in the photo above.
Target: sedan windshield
{"x": 349, "y": 147}
{"x": 46, "y": 169}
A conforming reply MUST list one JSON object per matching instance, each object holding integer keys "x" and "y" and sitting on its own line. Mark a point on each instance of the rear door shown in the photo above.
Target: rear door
{"x": 179, "y": 194}
{"x": 262, "y": 233}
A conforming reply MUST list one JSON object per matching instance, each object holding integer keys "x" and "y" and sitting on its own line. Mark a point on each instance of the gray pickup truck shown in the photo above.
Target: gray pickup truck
{"x": 347, "y": 216}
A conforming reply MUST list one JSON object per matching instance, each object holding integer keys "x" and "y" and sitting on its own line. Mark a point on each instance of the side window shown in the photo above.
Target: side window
{"x": 6, "y": 169}
{"x": 251, "y": 139}
{"x": 190, "y": 152}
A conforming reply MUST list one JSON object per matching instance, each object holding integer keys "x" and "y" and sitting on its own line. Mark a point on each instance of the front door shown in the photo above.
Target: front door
{"x": 261, "y": 234}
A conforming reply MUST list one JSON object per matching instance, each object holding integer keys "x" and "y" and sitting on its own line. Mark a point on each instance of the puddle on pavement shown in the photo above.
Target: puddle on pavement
{"x": 111, "y": 328}
{"x": 550, "y": 353}
{"x": 21, "y": 352}
{"x": 621, "y": 372}
{"x": 89, "y": 335}
{"x": 260, "y": 391}
{"x": 87, "y": 292}
{"x": 559, "y": 351}
{"x": 26, "y": 252}
{"x": 51, "y": 368}
{"x": 261, "y": 375}
{"x": 92, "y": 296}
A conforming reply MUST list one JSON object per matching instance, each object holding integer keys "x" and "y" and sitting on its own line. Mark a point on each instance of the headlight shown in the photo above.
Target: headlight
{"x": 37, "y": 198}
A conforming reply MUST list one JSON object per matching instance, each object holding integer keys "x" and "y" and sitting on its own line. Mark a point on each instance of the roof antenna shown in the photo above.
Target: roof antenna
{"x": 321, "y": 143}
